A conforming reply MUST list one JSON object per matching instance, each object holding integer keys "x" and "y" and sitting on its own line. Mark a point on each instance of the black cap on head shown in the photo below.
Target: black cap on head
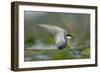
{"x": 69, "y": 35}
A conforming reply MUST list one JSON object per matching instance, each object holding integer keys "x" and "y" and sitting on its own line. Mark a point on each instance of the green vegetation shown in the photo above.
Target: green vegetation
{"x": 28, "y": 40}
{"x": 85, "y": 53}
{"x": 61, "y": 54}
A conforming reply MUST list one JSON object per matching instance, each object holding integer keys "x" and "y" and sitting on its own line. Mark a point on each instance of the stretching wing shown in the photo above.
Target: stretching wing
{"x": 57, "y": 31}
{"x": 52, "y": 28}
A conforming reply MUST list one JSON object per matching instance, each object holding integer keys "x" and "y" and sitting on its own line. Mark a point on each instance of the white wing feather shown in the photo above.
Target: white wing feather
{"x": 52, "y": 28}
{"x": 57, "y": 31}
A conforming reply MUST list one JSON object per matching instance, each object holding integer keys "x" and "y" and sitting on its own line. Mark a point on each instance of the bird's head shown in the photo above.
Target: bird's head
{"x": 68, "y": 36}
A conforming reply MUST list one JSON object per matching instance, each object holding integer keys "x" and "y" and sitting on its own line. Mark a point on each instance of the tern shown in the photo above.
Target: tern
{"x": 61, "y": 36}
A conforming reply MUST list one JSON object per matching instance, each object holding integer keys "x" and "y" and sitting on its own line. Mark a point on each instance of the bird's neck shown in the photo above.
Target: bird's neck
{"x": 66, "y": 40}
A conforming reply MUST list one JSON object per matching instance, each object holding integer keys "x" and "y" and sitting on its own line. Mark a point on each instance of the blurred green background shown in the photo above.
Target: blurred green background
{"x": 37, "y": 39}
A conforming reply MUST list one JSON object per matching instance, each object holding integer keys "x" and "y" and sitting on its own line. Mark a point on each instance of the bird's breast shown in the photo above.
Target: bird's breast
{"x": 60, "y": 41}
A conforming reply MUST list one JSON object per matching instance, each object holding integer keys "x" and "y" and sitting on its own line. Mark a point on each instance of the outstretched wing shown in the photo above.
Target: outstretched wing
{"x": 57, "y": 31}
{"x": 52, "y": 28}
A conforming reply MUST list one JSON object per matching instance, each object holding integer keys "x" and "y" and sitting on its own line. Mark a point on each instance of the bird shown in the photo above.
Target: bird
{"x": 61, "y": 36}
